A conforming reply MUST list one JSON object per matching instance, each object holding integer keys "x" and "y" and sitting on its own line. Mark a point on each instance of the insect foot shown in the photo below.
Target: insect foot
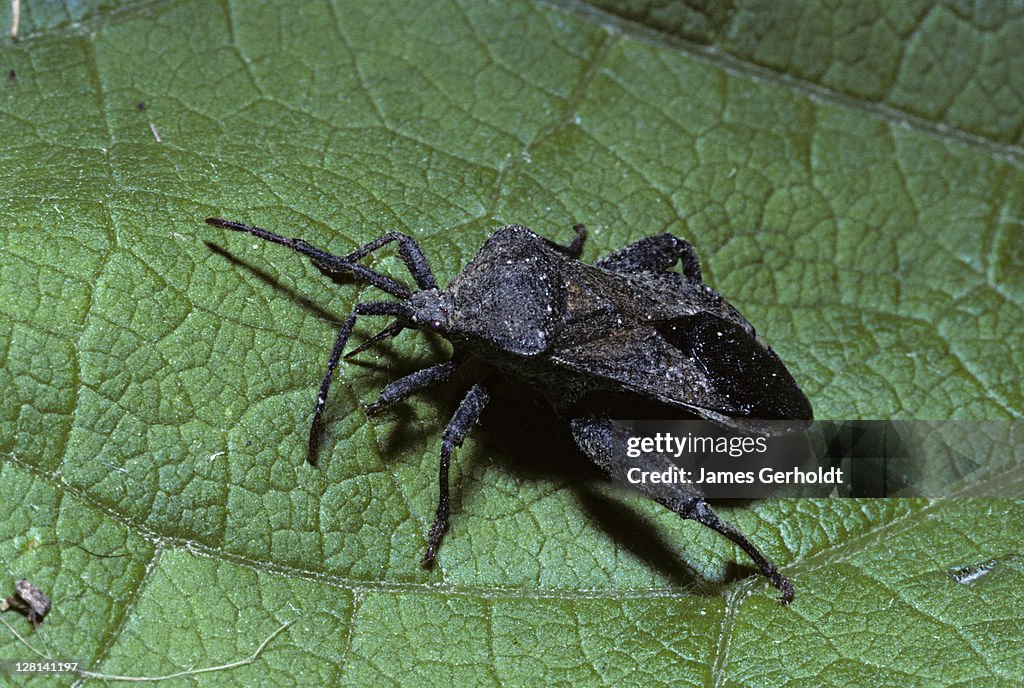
{"x": 627, "y": 327}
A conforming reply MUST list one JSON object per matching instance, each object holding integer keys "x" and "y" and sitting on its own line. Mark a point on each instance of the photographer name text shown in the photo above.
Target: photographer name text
{"x": 765, "y": 476}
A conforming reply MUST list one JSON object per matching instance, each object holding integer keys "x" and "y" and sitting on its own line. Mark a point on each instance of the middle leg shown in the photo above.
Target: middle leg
{"x": 465, "y": 418}
{"x": 406, "y": 386}
{"x": 654, "y": 254}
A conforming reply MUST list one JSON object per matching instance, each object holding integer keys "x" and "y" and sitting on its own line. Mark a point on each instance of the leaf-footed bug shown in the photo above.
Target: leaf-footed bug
{"x": 623, "y": 332}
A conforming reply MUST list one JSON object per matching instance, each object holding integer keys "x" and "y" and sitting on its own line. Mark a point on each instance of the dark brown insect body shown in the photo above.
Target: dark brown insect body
{"x": 623, "y": 333}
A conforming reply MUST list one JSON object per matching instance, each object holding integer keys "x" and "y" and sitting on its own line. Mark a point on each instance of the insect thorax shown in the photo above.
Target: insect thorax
{"x": 510, "y": 295}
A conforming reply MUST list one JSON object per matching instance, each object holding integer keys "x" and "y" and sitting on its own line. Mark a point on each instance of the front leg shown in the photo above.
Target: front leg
{"x": 344, "y": 332}
{"x": 602, "y": 440}
{"x": 410, "y": 252}
{"x": 466, "y": 416}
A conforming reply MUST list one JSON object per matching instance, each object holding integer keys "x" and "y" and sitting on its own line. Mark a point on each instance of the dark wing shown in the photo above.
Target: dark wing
{"x": 684, "y": 347}
{"x": 742, "y": 376}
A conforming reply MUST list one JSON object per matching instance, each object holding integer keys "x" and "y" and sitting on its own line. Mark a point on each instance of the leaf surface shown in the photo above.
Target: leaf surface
{"x": 855, "y": 191}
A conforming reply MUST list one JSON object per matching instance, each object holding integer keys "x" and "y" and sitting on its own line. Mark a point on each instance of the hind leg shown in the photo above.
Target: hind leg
{"x": 603, "y": 441}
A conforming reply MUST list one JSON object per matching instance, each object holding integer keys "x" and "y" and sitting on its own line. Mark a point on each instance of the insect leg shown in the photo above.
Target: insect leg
{"x": 391, "y": 330}
{"x": 367, "y": 308}
{"x": 322, "y": 259}
{"x": 654, "y": 254}
{"x": 574, "y": 249}
{"x": 411, "y": 254}
{"x": 701, "y": 512}
{"x": 403, "y": 387}
{"x": 603, "y": 441}
{"x": 458, "y": 427}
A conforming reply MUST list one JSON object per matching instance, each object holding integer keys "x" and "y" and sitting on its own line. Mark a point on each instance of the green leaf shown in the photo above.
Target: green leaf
{"x": 850, "y": 177}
